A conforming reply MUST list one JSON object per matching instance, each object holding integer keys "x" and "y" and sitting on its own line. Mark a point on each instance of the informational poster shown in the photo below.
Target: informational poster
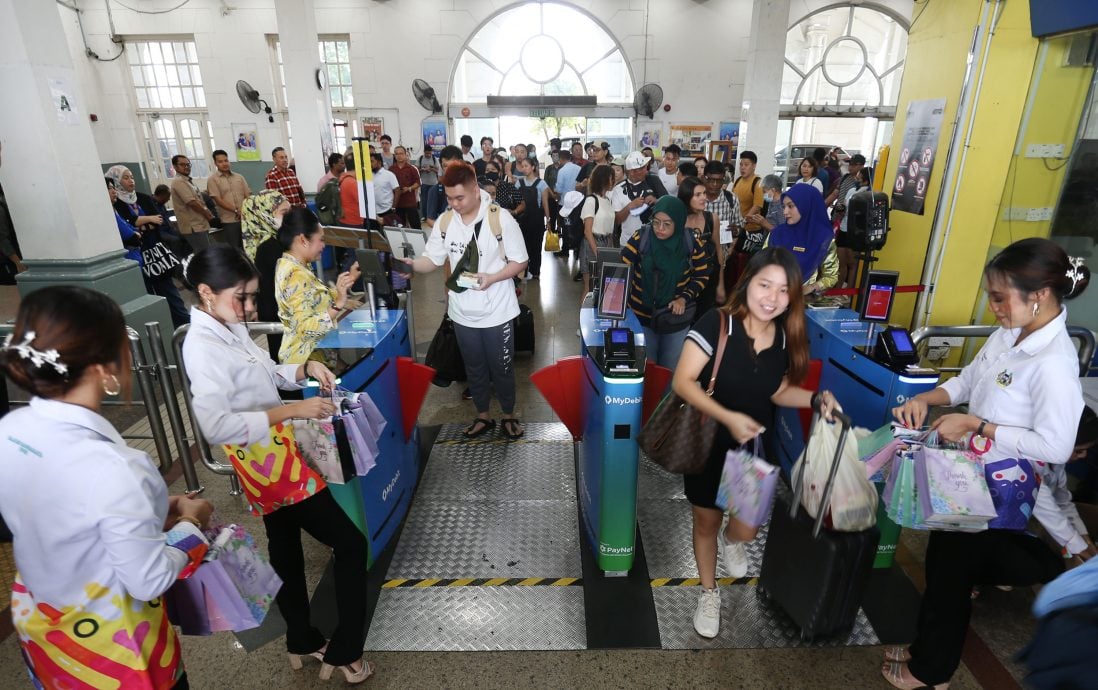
{"x": 916, "y": 157}
{"x": 729, "y": 131}
{"x": 650, "y": 136}
{"x": 372, "y": 129}
{"x": 247, "y": 144}
{"x": 690, "y": 138}
{"x": 64, "y": 100}
{"x": 434, "y": 133}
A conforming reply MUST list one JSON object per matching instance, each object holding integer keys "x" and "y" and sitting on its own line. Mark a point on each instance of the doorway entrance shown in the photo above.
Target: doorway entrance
{"x": 508, "y": 130}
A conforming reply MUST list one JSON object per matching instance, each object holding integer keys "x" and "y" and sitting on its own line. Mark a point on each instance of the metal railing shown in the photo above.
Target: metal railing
{"x": 203, "y": 448}
{"x": 1084, "y": 336}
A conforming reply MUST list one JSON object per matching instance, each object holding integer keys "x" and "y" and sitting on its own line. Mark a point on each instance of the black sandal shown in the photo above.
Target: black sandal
{"x": 474, "y": 432}
{"x": 512, "y": 428}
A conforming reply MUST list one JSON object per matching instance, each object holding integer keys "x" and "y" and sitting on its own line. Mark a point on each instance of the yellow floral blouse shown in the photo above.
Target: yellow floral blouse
{"x": 303, "y": 304}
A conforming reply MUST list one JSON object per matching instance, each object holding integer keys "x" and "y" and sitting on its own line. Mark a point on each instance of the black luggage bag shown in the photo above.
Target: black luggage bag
{"x": 444, "y": 355}
{"x": 524, "y": 330}
{"x": 816, "y": 575}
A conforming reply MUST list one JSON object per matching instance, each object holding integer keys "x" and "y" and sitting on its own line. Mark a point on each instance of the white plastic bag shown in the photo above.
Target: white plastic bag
{"x": 853, "y": 505}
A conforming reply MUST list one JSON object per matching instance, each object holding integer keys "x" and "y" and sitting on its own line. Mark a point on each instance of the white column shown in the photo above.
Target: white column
{"x": 310, "y": 109}
{"x": 763, "y": 85}
{"x": 51, "y": 171}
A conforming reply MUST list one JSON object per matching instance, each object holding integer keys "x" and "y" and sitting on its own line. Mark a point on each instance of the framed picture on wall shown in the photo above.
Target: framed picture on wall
{"x": 723, "y": 151}
{"x": 690, "y": 138}
{"x": 372, "y": 129}
{"x": 434, "y": 133}
{"x": 650, "y": 136}
{"x": 246, "y": 141}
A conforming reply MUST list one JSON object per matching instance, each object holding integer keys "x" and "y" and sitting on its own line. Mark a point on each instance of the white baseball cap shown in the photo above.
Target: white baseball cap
{"x": 569, "y": 203}
{"x": 636, "y": 160}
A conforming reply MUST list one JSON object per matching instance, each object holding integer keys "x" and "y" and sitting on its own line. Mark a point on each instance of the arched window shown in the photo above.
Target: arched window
{"x": 541, "y": 49}
{"x": 844, "y": 59}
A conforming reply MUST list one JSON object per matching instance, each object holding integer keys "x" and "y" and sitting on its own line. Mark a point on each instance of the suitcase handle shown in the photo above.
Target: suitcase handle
{"x": 798, "y": 476}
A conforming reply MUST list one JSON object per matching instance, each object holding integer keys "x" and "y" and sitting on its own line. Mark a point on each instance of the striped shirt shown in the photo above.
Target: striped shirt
{"x": 690, "y": 284}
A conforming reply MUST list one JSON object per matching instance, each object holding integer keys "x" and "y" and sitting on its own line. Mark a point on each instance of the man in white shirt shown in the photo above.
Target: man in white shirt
{"x": 633, "y": 197}
{"x": 467, "y": 149}
{"x": 668, "y": 174}
{"x": 385, "y": 184}
{"x": 486, "y": 251}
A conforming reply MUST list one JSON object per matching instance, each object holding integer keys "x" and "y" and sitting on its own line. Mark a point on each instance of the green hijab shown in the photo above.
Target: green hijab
{"x": 666, "y": 261}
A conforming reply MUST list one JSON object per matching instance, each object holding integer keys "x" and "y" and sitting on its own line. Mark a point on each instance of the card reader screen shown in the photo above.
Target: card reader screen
{"x": 902, "y": 340}
{"x": 619, "y": 336}
{"x": 878, "y": 301}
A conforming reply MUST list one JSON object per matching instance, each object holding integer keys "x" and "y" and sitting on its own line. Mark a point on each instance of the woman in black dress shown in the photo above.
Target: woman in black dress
{"x": 766, "y": 355}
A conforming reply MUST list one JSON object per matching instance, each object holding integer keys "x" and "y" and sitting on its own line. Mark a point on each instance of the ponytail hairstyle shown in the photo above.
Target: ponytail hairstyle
{"x": 793, "y": 320}
{"x": 297, "y": 221}
{"x": 1036, "y": 263}
{"x": 59, "y": 332}
{"x": 219, "y": 266}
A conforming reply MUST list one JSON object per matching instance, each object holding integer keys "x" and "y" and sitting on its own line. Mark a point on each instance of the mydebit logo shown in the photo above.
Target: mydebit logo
{"x": 613, "y": 400}
{"x": 389, "y": 489}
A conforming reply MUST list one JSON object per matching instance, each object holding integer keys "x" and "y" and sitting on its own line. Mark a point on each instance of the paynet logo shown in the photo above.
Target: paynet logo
{"x": 622, "y": 401}
{"x": 389, "y": 489}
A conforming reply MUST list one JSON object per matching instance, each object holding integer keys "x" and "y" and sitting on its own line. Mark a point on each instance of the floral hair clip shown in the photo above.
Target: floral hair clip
{"x": 1077, "y": 271}
{"x": 37, "y": 357}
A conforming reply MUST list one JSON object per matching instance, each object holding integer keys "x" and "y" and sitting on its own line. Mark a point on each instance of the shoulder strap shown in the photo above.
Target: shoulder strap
{"x": 728, "y": 197}
{"x": 722, "y": 341}
{"x": 497, "y": 229}
{"x": 592, "y": 196}
{"x": 444, "y": 221}
{"x": 754, "y": 184}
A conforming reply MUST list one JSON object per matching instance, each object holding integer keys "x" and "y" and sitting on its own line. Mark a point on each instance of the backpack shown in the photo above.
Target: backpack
{"x": 493, "y": 224}
{"x": 329, "y": 207}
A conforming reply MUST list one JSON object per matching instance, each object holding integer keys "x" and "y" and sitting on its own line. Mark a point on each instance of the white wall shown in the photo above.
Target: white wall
{"x": 696, "y": 51}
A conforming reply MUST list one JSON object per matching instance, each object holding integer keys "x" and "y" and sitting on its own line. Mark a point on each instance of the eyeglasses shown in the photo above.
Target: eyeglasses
{"x": 716, "y": 180}
{"x": 656, "y": 223}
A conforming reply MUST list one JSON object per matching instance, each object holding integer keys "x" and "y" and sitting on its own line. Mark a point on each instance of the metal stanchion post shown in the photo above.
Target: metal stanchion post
{"x": 171, "y": 404}
{"x": 142, "y": 370}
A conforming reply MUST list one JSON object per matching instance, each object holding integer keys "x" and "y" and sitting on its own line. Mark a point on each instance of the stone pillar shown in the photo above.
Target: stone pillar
{"x": 310, "y": 109}
{"x": 52, "y": 174}
{"x": 763, "y": 87}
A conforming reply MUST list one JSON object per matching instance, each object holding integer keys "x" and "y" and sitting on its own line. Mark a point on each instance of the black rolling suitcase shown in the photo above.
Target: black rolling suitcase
{"x": 524, "y": 330}
{"x": 815, "y": 575}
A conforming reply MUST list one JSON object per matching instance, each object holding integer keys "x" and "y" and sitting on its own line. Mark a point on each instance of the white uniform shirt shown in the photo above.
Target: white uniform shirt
{"x": 385, "y": 184}
{"x": 233, "y": 381}
{"x": 497, "y": 304}
{"x": 670, "y": 180}
{"x": 1032, "y": 392}
{"x": 87, "y": 511}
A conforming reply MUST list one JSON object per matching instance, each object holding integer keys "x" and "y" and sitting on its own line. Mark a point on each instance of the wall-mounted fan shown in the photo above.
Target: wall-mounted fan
{"x": 648, "y": 100}
{"x": 425, "y": 95}
{"x": 251, "y": 100}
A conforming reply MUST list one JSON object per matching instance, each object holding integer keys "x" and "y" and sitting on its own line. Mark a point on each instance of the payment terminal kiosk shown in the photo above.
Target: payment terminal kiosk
{"x": 619, "y": 347}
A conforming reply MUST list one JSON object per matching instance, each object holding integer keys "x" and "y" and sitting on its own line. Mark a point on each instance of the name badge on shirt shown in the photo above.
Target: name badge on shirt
{"x": 798, "y": 249}
{"x": 1005, "y": 378}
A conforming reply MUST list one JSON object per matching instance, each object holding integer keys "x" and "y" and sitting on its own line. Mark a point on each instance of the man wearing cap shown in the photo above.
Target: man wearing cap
{"x": 566, "y": 183}
{"x": 668, "y": 174}
{"x": 633, "y": 197}
{"x": 857, "y": 162}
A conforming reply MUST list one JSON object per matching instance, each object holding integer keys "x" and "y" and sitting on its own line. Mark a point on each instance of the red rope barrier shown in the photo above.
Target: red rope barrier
{"x": 838, "y": 292}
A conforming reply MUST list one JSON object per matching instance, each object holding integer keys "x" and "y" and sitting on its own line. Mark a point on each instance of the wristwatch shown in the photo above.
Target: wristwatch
{"x": 980, "y": 429}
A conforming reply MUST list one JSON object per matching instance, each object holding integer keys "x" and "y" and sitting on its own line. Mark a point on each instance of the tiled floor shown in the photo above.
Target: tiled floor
{"x": 219, "y": 661}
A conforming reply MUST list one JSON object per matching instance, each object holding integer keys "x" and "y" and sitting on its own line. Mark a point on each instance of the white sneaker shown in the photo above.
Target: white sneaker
{"x": 707, "y": 617}
{"x": 735, "y": 556}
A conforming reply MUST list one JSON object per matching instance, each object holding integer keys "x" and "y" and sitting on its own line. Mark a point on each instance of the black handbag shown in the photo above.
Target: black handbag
{"x": 665, "y": 321}
{"x": 678, "y": 437}
{"x": 444, "y": 355}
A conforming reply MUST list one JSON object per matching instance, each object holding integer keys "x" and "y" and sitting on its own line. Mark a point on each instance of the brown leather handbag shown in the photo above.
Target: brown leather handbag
{"x": 677, "y": 436}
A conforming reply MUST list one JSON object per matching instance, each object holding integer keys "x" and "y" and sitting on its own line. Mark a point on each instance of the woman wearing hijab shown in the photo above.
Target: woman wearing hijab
{"x": 669, "y": 273}
{"x": 807, "y": 232}
{"x": 260, "y": 217}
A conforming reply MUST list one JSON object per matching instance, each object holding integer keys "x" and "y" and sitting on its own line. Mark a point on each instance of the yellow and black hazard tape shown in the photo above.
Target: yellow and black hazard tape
{"x": 484, "y": 582}
{"x": 695, "y": 582}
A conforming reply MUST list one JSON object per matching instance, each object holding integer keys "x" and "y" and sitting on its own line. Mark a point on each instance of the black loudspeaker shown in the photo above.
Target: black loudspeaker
{"x": 867, "y": 220}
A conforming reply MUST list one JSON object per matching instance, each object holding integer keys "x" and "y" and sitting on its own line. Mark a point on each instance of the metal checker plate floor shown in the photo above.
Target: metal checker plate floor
{"x": 747, "y": 622}
{"x": 478, "y": 619}
{"x": 666, "y": 528}
{"x": 535, "y": 431}
{"x": 469, "y": 472}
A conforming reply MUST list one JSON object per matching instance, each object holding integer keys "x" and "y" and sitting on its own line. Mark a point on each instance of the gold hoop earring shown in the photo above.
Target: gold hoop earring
{"x": 111, "y": 385}
{"x": 1036, "y": 309}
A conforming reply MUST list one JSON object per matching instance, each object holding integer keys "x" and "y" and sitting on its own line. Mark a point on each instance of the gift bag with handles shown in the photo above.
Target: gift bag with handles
{"x": 747, "y": 486}
{"x": 552, "y": 242}
{"x": 953, "y": 494}
{"x": 317, "y": 442}
{"x": 232, "y": 590}
{"x": 852, "y": 506}
{"x": 1013, "y": 484}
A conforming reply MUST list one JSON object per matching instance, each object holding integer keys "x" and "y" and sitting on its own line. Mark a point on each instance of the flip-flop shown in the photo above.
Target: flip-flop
{"x": 511, "y": 425}
{"x": 486, "y": 426}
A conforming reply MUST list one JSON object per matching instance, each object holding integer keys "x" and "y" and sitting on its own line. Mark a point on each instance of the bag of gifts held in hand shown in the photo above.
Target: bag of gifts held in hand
{"x": 364, "y": 424}
{"x": 853, "y": 504}
{"x": 232, "y": 590}
{"x": 951, "y": 489}
{"x": 901, "y": 491}
{"x": 1013, "y": 484}
{"x": 877, "y": 450}
{"x": 317, "y": 441}
{"x": 747, "y": 486}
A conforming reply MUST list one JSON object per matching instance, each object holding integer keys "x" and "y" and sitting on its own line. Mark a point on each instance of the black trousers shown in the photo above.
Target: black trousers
{"x": 955, "y": 563}
{"x": 326, "y": 522}
{"x": 410, "y": 216}
{"x": 533, "y": 233}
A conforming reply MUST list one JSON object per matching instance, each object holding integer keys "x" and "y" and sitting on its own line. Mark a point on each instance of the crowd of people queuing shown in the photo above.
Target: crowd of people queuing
{"x": 719, "y": 255}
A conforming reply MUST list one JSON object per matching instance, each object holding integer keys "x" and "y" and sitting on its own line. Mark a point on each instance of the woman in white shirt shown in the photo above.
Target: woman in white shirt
{"x": 234, "y": 386}
{"x": 598, "y": 221}
{"x": 1025, "y": 402}
{"x": 809, "y": 169}
{"x": 97, "y": 538}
